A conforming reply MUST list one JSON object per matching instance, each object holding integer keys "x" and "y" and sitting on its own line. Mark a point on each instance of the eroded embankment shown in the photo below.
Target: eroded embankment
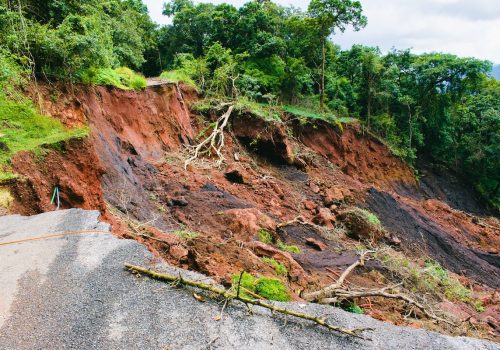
{"x": 275, "y": 172}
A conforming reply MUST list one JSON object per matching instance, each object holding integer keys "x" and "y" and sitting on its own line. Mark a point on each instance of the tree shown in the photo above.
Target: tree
{"x": 329, "y": 15}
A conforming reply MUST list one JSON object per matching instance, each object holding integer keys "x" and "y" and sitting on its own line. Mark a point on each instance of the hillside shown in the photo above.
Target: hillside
{"x": 290, "y": 195}
{"x": 244, "y": 145}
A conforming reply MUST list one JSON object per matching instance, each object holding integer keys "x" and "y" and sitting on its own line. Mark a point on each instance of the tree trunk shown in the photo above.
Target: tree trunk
{"x": 322, "y": 83}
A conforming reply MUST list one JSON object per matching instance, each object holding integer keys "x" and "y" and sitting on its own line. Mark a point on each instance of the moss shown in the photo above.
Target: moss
{"x": 272, "y": 289}
{"x": 278, "y": 267}
{"x": 265, "y": 236}
{"x": 186, "y": 234}
{"x": 353, "y": 307}
{"x": 268, "y": 288}
{"x": 288, "y": 248}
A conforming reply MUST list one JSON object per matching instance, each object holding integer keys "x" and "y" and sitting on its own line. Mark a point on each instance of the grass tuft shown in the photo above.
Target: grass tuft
{"x": 265, "y": 236}
{"x": 278, "y": 267}
{"x": 288, "y": 248}
{"x": 186, "y": 234}
{"x": 122, "y": 78}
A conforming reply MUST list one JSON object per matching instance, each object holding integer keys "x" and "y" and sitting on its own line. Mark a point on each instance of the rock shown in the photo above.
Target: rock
{"x": 246, "y": 223}
{"x": 235, "y": 174}
{"x": 315, "y": 188}
{"x": 295, "y": 271}
{"x": 456, "y": 311}
{"x": 178, "y": 202}
{"x": 359, "y": 225}
{"x": 310, "y": 205}
{"x": 333, "y": 196}
{"x": 324, "y": 218}
{"x": 316, "y": 244}
{"x": 178, "y": 252}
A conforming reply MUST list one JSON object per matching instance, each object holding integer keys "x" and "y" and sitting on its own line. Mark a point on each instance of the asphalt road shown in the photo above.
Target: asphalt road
{"x": 72, "y": 292}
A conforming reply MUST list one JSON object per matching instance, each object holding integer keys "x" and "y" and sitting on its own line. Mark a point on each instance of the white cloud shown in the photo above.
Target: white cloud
{"x": 462, "y": 27}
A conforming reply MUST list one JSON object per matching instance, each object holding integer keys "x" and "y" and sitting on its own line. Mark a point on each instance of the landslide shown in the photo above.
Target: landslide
{"x": 211, "y": 220}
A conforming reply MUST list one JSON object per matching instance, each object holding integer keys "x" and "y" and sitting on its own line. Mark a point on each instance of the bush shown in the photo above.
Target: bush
{"x": 122, "y": 78}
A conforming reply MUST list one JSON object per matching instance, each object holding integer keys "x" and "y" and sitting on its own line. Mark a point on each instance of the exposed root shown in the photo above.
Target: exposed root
{"x": 214, "y": 142}
{"x": 230, "y": 295}
{"x": 335, "y": 292}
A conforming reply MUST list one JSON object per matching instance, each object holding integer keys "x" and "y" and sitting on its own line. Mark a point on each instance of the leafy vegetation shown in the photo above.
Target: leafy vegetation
{"x": 122, "y": 77}
{"x": 264, "y": 56}
{"x": 268, "y": 288}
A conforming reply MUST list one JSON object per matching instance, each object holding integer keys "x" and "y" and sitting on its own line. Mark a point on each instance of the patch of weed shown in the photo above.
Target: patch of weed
{"x": 278, "y": 267}
{"x": 186, "y": 234}
{"x": 268, "y": 288}
{"x": 265, "y": 236}
{"x": 288, "y": 248}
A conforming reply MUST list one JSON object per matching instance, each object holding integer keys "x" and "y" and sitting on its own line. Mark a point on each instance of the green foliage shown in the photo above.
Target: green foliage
{"x": 288, "y": 248}
{"x": 25, "y": 129}
{"x": 354, "y": 308}
{"x": 186, "y": 234}
{"x": 265, "y": 236}
{"x": 278, "y": 267}
{"x": 269, "y": 288}
{"x": 122, "y": 78}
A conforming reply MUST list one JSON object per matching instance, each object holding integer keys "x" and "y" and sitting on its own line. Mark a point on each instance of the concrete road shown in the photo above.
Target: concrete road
{"x": 72, "y": 292}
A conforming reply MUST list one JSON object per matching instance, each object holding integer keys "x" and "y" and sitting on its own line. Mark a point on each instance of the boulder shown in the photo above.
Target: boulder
{"x": 246, "y": 223}
{"x": 324, "y": 218}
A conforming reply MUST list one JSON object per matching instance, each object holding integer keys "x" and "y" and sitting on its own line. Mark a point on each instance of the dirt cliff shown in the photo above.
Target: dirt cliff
{"x": 131, "y": 168}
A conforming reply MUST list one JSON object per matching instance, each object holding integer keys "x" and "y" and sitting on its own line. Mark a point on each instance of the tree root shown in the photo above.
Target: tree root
{"x": 214, "y": 142}
{"x": 333, "y": 292}
{"x": 229, "y": 294}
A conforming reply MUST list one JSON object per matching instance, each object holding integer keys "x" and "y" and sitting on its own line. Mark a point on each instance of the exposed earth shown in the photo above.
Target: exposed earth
{"x": 303, "y": 182}
{"x": 94, "y": 303}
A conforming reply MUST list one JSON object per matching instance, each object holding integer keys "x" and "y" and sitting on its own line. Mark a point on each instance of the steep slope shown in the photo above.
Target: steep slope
{"x": 132, "y": 170}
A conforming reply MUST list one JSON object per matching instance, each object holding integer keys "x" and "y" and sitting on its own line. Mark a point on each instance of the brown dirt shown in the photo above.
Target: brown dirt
{"x": 134, "y": 161}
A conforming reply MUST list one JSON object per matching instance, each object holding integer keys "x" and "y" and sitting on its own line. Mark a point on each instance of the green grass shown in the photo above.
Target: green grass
{"x": 269, "y": 288}
{"x": 265, "y": 236}
{"x": 314, "y": 114}
{"x": 288, "y": 248}
{"x": 278, "y": 267}
{"x": 23, "y": 128}
{"x": 177, "y": 76}
{"x": 122, "y": 78}
{"x": 186, "y": 234}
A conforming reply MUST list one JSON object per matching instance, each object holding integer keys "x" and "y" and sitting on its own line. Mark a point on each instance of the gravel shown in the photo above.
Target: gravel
{"x": 73, "y": 293}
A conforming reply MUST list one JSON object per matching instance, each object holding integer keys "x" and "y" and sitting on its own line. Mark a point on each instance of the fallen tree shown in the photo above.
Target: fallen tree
{"x": 214, "y": 142}
{"x": 336, "y": 292}
{"x": 230, "y": 294}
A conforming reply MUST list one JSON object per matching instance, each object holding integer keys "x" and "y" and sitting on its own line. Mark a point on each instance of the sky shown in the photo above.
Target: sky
{"x": 468, "y": 28}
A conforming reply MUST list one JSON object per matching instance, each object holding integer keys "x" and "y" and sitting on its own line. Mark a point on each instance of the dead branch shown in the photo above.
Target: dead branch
{"x": 334, "y": 292}
{"x": 330, "y": 290}
{"x": 214, "y": 142}
{"x": 229, "y": 294}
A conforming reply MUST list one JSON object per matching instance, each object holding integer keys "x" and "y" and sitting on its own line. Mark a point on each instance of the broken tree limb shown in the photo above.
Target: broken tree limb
{"x": 330, "y": 290}
{"x": 334, "y": 292}
{"x": 229, "y": 294}
{"x": 214, "y": 142}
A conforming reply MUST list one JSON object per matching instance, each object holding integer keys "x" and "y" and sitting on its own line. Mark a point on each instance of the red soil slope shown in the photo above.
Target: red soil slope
{"x": 134, "y": 160}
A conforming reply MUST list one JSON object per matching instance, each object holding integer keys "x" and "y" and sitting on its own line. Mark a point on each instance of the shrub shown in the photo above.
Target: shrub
{"x": 122, "y": 78}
